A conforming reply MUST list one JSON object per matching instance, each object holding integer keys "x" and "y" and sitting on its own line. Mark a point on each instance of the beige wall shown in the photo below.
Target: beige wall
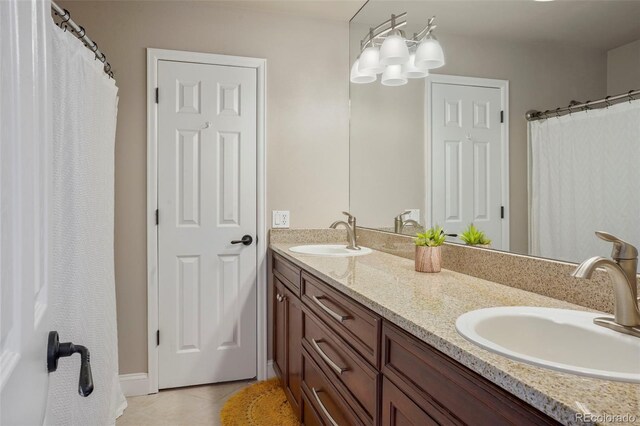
{"x": 623, "y": 65}
{"x": 307, "y": 120}
{"x": 541, "y": 76}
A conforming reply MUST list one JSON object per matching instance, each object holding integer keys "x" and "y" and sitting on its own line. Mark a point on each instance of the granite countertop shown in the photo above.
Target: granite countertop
{"x": 427, "y": 306}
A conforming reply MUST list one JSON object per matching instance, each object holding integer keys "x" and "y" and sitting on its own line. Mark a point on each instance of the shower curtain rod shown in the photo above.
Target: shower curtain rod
{"x": 77, "y": 30}
{"x": 575, "y": 106}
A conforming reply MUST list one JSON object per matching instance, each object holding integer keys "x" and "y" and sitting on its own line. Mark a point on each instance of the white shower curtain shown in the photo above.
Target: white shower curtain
{"x": 83, "y": 291}
{"x": 584, "y": 177}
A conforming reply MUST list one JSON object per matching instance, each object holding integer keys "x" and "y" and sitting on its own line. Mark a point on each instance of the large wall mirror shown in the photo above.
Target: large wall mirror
{"x": 457, "y": 147}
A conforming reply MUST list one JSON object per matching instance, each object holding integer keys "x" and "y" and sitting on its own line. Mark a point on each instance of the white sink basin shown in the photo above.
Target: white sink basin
{"x": 334, "y": 250}
{"x": 558, "y": 339}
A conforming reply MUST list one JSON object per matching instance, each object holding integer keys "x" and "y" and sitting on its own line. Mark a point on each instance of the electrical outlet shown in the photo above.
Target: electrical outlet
{"x": 280, "y": 219}
{"x": 415, "y": 214}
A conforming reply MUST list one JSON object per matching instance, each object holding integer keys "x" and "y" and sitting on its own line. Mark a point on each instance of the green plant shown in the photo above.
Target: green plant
{"x": 473, "y": 236}
{"x": 432, "y": 237}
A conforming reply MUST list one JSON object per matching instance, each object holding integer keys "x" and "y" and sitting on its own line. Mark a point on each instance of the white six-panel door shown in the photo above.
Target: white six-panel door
{"x": 206, "y": 199}
{"x": 466, "y": 158}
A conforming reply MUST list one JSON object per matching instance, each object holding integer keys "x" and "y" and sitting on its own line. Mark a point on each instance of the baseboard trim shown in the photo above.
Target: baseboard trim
{"x": 270, "y": 371}
{"x": 134, "y": 384}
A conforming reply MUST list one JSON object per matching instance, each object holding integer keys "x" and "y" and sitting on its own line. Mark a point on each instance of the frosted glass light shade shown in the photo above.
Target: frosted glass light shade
{"x": 392, "y": 76}
{"x": 411, "y": 71}
{"x": 429, "y": 54}
{"x": 394, "y": 50}
{"x": 370, "y": 61}
{"x": 359, "y": 77}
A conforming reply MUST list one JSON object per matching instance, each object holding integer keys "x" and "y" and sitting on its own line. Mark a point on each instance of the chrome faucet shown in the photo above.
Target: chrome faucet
{"x": 622, "y": 268}
{"x": 399, "y": 223}
{"x": 350, "y": 225}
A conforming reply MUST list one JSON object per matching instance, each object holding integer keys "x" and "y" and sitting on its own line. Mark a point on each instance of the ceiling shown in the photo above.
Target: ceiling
{"x": 322, "y": 9}
{"x": 600, "y": 24}
{"x": 336, "y": 10}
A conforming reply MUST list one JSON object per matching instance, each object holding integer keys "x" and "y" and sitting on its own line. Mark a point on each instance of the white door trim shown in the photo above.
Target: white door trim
{"x": 260, "y": 65}
{"x": 503, "y": 85}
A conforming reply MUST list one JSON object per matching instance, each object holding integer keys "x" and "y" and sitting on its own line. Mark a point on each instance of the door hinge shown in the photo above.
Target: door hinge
{"x": 501, "y": 212}
{"x": 158, "y": 338}
{"x": 157, "y": 94}
{"x": 157, "y": 217}
{"x": 501, "y": 116}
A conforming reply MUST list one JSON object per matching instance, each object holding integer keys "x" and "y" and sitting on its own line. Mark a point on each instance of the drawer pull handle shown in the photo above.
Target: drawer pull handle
{"x": 323, "y": 408}
{"x": 334, "y": 315}
{"x": 326, "y": 358}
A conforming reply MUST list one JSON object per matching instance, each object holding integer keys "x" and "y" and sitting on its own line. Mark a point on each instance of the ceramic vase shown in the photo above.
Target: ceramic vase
{"x": 428, "y": 259}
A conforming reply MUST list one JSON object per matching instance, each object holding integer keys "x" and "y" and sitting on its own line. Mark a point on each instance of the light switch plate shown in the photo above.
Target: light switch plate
{"x": 415, "y": 215}
{"x": 280, "y": 219}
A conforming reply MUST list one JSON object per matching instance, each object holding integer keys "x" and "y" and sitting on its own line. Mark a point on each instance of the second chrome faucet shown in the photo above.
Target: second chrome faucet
{"x": 350, "y": 225}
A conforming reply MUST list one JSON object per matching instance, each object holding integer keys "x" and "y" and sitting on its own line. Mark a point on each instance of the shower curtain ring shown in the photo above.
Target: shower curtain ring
{"x": 629, "y": 94}
{"x": 83, "y": 32}
{"x": 586, "y": 106}
{"x": 66, "y": 15}
{"x": 557, "y": 112}
{"x": 94, "y": 49}
{"x": 606, "y": 101}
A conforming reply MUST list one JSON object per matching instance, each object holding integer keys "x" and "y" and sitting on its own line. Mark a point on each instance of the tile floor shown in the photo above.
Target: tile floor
{"x": 195, "y": 405}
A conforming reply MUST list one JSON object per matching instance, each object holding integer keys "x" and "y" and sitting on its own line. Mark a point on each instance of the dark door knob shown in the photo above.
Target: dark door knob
{"x": 56, "y": 350}
{"x": 246, "y": 240}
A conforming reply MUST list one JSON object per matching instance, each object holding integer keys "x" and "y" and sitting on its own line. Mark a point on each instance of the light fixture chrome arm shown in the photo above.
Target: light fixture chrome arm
{"x": 377, "y": 34}
{"x": 382, "y": 30}
{"x": 426, "y": 30}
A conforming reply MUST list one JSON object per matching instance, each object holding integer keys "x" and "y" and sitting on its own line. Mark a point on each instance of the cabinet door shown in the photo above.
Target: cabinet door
{"x": 399, "y": 410}
{"x": 294, "y": 348}
{"x": 279, "y": 330}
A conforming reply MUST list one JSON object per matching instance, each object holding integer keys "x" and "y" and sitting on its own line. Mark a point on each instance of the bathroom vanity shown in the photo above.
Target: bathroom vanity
{"x": 367, "y": 340}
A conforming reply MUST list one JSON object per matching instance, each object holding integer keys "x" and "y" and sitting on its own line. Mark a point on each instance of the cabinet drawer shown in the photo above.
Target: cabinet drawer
{"x": 310, "y": 416}
{"x": 351, "y": 374}
{"x": 419, "y": 369}
{"x": 356, "y": 325}
{"x": 324, "y": 398}
{"x": 287, "y": 272}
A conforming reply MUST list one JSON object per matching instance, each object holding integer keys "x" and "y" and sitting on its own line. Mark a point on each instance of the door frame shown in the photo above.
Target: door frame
{"x": 457, "y": 80}
{"x": 260, "y": 65}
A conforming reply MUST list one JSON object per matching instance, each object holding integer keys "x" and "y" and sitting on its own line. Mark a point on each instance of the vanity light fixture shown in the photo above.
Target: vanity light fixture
{"x": 387, "y": 51}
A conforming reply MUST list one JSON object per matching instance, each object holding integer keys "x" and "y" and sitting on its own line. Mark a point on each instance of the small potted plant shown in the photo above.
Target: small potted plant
{"x": 472, "y": 236}
{"x": 429, "y": 250}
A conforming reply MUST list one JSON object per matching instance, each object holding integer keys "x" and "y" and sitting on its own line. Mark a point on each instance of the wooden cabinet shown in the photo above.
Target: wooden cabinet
{"x": 287, "y": 330}
{"x": 354, "y": 323}
{"x": 399, "y": 410}
{"x": 294, "y": 349}
{"x": 341, "y": 364}
{"x": 350, "y": 373}
{"x": 327, "y": 400}
{"x": 279, "y": 330}
{"x": 440, "y": 384}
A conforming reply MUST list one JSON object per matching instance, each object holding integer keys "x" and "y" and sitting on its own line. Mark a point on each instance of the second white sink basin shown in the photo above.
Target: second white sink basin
{"x": 334, "y": 250}
{"x": 558, "y": 339}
